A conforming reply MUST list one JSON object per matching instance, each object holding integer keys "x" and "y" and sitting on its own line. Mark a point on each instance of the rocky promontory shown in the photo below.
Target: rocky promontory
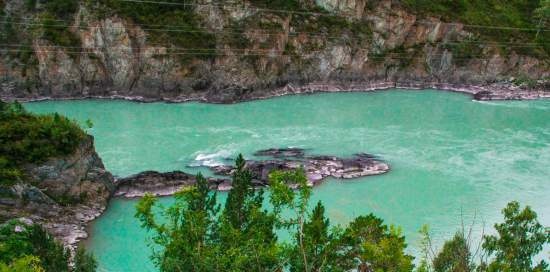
{"x": 63, "y": 194}
{"x": 317, "y": 168}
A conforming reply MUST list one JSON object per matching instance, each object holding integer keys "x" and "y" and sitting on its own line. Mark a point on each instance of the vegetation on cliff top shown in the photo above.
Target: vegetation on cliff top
{"x": 177, "y": 25}
{"x": 198, "y": 234}
{"x": 506, "y": 21}
{"x": 29, "y": 248}
{"x": 31, "y": 138}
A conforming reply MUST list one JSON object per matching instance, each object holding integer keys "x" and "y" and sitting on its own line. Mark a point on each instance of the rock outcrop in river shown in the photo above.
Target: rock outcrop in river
{"x": 63, "y": 194}
{"x": 237, "y": 51}
{"x": 317, "y": 168}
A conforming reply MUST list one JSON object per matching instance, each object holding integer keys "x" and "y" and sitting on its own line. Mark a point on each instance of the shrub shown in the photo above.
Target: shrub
{"x": 30, "y": 248}
{"x": 30, "y": 138}
{"x": 18, "y": 240}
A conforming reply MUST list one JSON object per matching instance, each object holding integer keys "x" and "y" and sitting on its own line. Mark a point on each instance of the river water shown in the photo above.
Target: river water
{"x": 453, "y": 160}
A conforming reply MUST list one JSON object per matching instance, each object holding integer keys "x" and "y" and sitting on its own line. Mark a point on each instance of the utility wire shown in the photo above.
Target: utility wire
{"x": 291, "y": 33}
{"x": 325, "y": 14}
{"x": 252, "y": 54}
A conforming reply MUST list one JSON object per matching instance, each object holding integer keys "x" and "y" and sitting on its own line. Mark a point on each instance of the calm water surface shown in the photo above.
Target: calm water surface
{"x": 451, "y": 157}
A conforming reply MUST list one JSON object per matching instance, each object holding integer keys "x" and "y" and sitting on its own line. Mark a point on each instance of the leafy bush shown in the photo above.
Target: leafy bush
{"x": 18, "y": 240}
{"x": 30, "y": 248}
{"x": 84, "y": 262}
{"x": 200, "y": 236}
{"x": 29, "y": 138}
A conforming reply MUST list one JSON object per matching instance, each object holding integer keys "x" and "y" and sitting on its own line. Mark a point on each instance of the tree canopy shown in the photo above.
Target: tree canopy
{"x": 199, "y": 234}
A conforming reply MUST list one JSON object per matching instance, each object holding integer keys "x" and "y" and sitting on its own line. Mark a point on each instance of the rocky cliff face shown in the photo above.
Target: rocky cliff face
{"x": 63, "y": 194}
{"x": 378, "y": 43}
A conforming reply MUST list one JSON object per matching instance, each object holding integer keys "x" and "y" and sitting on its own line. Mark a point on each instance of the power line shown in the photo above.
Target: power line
{"x": 292, "y": 33}
{"x": 323, "y": 14}
{"x": 255, "y": 54}
{"x": 330, "y": 14}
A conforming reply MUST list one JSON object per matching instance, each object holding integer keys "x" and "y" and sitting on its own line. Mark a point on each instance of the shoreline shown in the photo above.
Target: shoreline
{"x": 317, "y": 169}
{"x": 489, "y": 92}
{"x": 83, "y": 233}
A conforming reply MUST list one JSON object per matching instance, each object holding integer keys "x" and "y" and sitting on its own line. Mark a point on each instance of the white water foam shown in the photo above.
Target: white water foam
{"x": 210, "y": 159}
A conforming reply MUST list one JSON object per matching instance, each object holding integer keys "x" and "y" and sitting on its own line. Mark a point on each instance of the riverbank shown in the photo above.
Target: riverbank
{"x": 442, "y": 156}
{"x": 71, "y": 224}
{"x": 497, "y": 91}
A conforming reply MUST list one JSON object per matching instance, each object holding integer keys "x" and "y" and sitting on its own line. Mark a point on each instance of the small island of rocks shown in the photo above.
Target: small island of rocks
{"x": 316, "y": 167}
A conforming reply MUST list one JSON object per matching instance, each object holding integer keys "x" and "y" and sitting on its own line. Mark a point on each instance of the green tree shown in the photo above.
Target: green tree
{"x": 318, "y": 249}
{"x": 84, "y": 262}
{"x": 455, "y": 256}
{"x": 236, "y": 209}
{"x": 187, "y": 241}
{"x": 373, "y": 246}
{"x": 18, "y": 240}
{"x": 247, "y": 231}
{"x": 198, "y": 236}
{"x": 283, "y": 197}
{"x": 520, "y": 238}
{"x": 23, "y": 264}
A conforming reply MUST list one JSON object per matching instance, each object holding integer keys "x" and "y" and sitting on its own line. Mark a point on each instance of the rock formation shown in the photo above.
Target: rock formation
{"x": 63, "y": 194}
{"x": 317, "y": 168}
{"x": 117, "y": 58}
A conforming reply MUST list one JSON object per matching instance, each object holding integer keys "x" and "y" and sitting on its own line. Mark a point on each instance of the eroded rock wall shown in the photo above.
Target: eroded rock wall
{"x": 63, "y": 194}
{"x": 117, "y": 58}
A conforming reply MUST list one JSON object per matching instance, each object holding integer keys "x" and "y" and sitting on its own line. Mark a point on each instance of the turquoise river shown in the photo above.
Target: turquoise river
{"x": 452, "y": 159}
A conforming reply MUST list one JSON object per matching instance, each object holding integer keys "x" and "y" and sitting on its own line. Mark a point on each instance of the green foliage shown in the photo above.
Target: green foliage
{"x": 58, "y": 33}
{"x": 29, "y": 248}
{"x": 455, "y": 256}
{"x": 29, "y": 138}
{"x": 236, "y": 210}
{"x": 465, "y": 50}
{"x": 520, "y": 238}
{"x": 61, "y": 8}
{"x": 23, "y": 264}
{"x": 316, "y": 246}
{"x": 89, "y": 123}
{"x": 84, "y": 262}
{"x": 187, "y": 241}
{"x": 50, "y": 25}
{"x": 18, "y": 240}
{"x": 375, "y": 247}
{"x": 278, "y": 4}
{"x": 175, "y": 25}
{"x": 198, "y": 236}
{"x": 515, "y": 16}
